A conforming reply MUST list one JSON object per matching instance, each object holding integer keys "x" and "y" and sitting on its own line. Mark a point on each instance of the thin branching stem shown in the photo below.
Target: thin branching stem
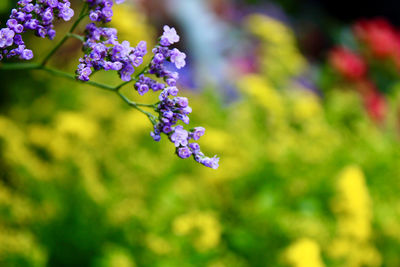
{"x": 56, "y": 72}
{"x": 135, "y": 105}
{"x": 76, "y": 36}
{"x": 72, "y": 77}
{"x": 42, "y": 66}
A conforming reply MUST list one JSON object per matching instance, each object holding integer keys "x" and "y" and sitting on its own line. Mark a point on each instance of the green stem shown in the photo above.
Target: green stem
{"x": 82, "y": 15}
{"x": 35, "y": 66}
{"x": 19, "y": 66}
{"x": 147, "y": 105}
{"x": 72, "y": 77}
{"x": 76, "y": 36}
{"x": 135, "y": 105}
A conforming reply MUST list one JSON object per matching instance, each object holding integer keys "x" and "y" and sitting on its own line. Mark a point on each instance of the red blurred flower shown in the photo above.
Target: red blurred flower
{"x": 374, "y": 101}
{"x": 348, "y": 63}
{"x": 376, "y": 106}
{"x": 380, "y": 36}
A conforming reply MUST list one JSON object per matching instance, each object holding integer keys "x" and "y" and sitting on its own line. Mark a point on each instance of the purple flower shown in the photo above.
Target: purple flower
{"x": 157, "y": 86}
{"x": 173, "y": 91}
{"x": 169, "y": 36}
{"x": 107, "y": 12}
{"x": 11, "y": 23}
{"x": 66, "y": 12}
{"x": 163, "y": 95}
{"x": 143, "y": 88}
{"x": 18, "y": 40}
{"x": 183, "y": 152}
{"x": 178, "y": 58}
{"x": 48, "y": 15}
{"x": 126, "y": 72}
{"x": 27, "y": 54}
{"x": 32, "y": 24}
{"x": 158, "y": 58}
{"x": 210, "y": 162}
{"x": 184, "y": 118}
{"x": 141, "y": 48}
{"x": 94, "y": 16}
{"x": 170, "y": 82}
{"x": 180, "y": 136}
{"x": 116, "y": 65}
{"x": 198, "y": 132}
{"x": 6, "y": 37}
{"x": 186, "y": 110}
{"x": 168, "y": 114}
{"x": 52, "y": 3}
{"x": 181, "y": 102}
{"x": 156, "y": 136}
{"x": 84, "y": 72}
{"x": 194, "y": 147}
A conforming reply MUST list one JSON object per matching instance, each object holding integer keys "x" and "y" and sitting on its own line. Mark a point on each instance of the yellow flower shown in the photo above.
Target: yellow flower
{"x": 354, "y": 204}
{"x": 263, "y": 94}
{"x": 76, "y": 124}
{"x": 306, "y": 106}
{"x": 304, "y": 253}
{"x": 354, "y": 210}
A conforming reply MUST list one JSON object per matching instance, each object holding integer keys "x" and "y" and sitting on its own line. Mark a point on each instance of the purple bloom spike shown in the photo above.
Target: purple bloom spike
{"x": 103, "y": 51}
{"x": 37, "y": 16}
{"x": 173, "y": 110}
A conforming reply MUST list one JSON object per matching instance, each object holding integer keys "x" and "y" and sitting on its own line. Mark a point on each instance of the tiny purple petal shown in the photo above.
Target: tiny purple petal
{"x": 184, "y": 152}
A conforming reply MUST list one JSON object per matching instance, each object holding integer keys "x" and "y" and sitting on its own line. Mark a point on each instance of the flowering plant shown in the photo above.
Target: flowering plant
{"x": 103, "y": 51}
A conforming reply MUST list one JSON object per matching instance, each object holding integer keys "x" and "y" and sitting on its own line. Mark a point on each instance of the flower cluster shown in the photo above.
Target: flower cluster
{"x": 145, "y": 83}
{"x": 103, "y": 51}
{"x": 101, "y": 10}
{"x": 172, "y": 110}
{"x": 162, "y": 53}
{"x": 38, "y": 17}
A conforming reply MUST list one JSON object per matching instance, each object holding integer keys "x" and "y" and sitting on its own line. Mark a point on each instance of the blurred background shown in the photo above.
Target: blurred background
{"x": 301, "y": 101}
